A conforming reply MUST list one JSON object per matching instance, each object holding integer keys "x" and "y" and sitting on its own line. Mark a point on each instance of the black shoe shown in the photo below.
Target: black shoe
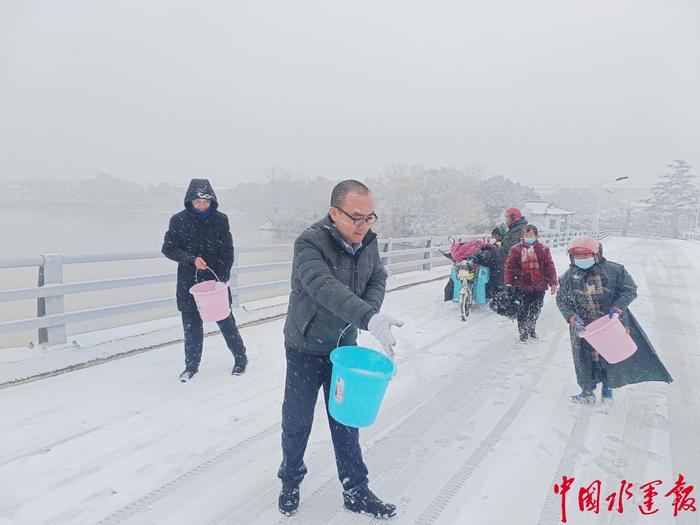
{"x": 239, "y": 367}
{"x": 288, "y": 502}
{"x": 363, "y": 501}
{"x": 187, "y": 374}
{"x": 532, "y": 335}
{"x": 523, "y": 338}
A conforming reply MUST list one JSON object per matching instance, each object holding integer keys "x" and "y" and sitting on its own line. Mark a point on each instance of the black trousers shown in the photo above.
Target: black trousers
{"x": 530, "y": 311}
{"x": 306, "y": 373}
{"x": 194, "y": 337}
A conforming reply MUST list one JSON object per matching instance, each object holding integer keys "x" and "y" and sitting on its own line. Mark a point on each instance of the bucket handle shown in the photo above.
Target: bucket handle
{"x": 342, "y": 334}
{"x": 196, "y": 274}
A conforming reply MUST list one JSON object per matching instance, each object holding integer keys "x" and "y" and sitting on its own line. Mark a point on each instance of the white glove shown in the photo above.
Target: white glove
{"x": 380, "y": 327}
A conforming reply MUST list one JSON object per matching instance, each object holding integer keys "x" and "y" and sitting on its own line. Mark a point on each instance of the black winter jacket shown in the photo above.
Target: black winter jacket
{"x": 190, "y": 236}
{"x": 332, "y": 288}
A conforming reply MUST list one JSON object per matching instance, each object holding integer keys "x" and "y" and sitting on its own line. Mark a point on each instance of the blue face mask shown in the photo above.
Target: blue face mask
{"x": 530, "y": 241}
{"x": 584, "y": 264}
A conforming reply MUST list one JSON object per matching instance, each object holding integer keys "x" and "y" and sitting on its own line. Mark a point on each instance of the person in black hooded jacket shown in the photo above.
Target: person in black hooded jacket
{"x": 199, "y": 240}
{"x": 491, "y": 256}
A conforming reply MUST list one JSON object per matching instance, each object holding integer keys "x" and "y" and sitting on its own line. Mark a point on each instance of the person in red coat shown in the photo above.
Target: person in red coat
{"x": 530, "y": 268}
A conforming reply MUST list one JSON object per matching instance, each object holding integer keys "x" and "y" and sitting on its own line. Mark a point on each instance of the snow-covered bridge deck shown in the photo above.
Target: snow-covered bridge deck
{"x": 475, "y": 428}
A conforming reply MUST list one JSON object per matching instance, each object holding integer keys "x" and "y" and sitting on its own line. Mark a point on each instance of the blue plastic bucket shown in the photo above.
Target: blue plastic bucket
{"x": 483, "y": 274}
{"x": 358, "y": 383}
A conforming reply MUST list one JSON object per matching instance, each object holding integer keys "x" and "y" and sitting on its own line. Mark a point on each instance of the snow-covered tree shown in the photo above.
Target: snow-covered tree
{"x": 414, "y": 201}
{"x": 674, "y": 200}
{"x": 410, "y": 200}
{"x": 498, "y": 193}
{"x": 293, "y": 202}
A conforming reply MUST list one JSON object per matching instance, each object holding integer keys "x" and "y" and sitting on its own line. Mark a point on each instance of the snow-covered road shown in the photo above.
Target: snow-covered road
{"x": 475, "y": 428}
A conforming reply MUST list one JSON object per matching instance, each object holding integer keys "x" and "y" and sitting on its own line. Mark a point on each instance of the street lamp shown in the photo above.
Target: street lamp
{"x": 626, "y": 226}
{"x": 600, "y": 198}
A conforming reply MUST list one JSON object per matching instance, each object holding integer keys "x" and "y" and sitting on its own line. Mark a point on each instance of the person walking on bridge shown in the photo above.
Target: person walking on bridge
{"x": 530, "y": 268}
{"x": 591, "y": 288}
{"x": 338, "y": 286}
{"x": 200, "y": 241}
{"x": 516, "y": 224}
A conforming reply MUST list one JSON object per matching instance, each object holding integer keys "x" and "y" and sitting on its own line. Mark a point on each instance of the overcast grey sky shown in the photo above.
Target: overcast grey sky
{"x": 542, "y": 91}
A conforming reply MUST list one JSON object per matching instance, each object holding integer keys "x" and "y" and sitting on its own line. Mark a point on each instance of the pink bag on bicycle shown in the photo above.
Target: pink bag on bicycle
{"x": 463, "y": 250}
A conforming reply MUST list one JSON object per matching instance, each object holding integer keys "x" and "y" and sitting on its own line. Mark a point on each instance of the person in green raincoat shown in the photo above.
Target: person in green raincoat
{"x": 591, "y": 288}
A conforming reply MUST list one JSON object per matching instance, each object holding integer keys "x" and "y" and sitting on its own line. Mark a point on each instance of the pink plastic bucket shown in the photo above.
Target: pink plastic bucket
{"x": 610, "y": 339}
{"x": 212, "y": 300}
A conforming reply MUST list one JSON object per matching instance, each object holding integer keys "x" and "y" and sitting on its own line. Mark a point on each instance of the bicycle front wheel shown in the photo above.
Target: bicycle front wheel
{"x": 465, "y": 302}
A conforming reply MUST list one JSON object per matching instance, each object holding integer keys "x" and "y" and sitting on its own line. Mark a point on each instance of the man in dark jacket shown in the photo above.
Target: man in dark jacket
{"x": 516, "y": 224}
{"x": 338, "y": 286}
{"x": 200, "y": 241}
{"x": 591, "y": 288}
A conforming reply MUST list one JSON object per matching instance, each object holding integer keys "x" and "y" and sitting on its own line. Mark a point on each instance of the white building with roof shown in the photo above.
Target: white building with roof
{"x": 547, "y": 216}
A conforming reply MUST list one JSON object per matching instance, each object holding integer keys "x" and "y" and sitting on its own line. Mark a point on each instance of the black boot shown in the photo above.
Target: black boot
{"x": 289, "y": 499}
{"x": 363, "y": 501}
{"x": 240, "y": 365}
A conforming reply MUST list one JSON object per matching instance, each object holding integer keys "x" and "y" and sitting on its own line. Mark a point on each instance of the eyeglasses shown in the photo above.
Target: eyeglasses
{"x": 359, "y": 221}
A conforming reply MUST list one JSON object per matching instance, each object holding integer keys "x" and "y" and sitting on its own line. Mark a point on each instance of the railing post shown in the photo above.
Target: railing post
{"x": 51, "y": 272}
{"x": 388, "y": 246}
{"x": 233, "y": 285}
{"x": 428, "y": 255}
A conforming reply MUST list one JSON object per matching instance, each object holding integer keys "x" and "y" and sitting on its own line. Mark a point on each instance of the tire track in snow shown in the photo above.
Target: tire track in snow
{"x": 44, "y": 449}
{"x": 572, "y": 452}
{"x": 683, "y": 410}
{"x": 447, "y": 493}
{"x": 151, "y": 498}
{"x": 110, "y": 420}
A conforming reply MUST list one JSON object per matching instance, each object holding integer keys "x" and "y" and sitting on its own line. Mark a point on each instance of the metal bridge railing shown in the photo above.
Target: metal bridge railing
{"x": 397, "y": 254}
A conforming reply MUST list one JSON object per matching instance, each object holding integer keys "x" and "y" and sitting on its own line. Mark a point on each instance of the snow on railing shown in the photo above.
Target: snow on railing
{"x": 404, "y": 253}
